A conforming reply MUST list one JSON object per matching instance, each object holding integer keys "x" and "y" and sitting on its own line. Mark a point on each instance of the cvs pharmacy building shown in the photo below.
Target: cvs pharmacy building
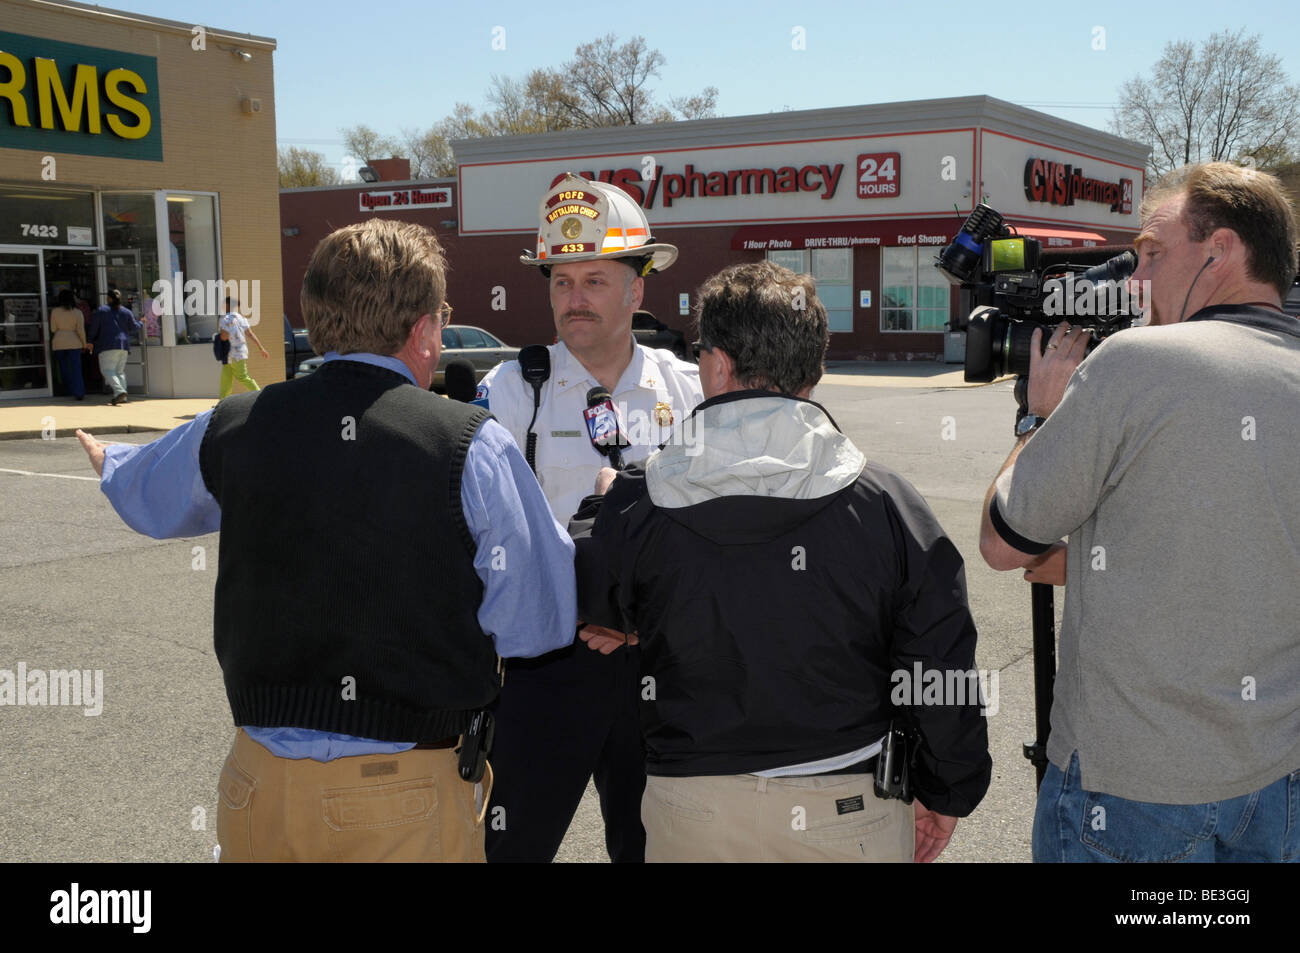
{"x": 136, "y": 154}
{"x": 863, "y": 198}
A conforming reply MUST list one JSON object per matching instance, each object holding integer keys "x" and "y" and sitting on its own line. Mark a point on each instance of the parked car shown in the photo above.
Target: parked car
{"x": 296, "y": 348}
{"x": 651, "y": 332}
{"x": 481, "y": 348}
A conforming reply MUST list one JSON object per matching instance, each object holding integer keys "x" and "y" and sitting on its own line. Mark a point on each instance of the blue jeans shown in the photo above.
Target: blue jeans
{"x": 1072, "y": 825}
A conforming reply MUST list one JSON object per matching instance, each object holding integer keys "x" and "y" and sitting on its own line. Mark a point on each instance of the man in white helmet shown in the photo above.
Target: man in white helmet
{"x": 572, "y": 714}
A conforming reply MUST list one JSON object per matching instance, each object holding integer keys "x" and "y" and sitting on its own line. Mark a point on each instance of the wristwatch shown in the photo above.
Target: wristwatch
{"x": 1028, "y": 424}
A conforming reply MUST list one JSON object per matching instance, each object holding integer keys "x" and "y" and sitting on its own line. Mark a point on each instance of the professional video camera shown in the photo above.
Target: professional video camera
{"x": 1011, "y": 286}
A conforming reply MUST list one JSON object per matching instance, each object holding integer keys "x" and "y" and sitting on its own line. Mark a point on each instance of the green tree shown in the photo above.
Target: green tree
{"x": 300, "y": 168}
{"x": 364, "y": 144}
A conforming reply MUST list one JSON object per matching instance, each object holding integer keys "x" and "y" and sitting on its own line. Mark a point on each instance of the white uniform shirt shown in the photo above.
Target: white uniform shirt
{"x": 655, "y": 387}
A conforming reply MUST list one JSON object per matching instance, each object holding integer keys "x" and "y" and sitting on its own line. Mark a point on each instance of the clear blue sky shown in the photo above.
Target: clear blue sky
{"x": 394, "y": 64}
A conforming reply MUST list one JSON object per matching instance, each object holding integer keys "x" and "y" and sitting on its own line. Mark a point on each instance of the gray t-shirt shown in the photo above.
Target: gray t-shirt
{"x": 1173, "y": 463}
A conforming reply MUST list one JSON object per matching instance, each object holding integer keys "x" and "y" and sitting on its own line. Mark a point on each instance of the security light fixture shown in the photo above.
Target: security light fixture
{"x": 368, "y": 174}
{"x": 237, "y": 52}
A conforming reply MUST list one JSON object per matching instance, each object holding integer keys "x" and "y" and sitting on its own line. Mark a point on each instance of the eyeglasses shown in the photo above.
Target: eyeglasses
{"x": 444, "y": 313}
{"x": 697, "y": 347}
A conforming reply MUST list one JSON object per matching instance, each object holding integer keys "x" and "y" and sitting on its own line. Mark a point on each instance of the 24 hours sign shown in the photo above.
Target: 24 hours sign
{"x": 880, "y": 175}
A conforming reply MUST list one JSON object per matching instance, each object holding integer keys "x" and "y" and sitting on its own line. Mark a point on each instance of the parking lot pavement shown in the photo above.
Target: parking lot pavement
{"x": 137, "y": 781}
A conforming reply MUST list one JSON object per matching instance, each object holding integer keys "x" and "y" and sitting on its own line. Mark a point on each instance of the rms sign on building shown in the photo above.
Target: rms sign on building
{"x": 861, "y": 197}
{"x": 138, "y": 155}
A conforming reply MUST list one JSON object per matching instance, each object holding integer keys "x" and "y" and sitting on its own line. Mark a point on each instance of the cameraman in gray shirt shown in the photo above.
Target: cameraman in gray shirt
{"x": 1169, "y": 459}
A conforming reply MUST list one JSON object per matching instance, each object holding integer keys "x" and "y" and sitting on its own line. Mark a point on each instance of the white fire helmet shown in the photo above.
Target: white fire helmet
{"x": 594, "y": 221}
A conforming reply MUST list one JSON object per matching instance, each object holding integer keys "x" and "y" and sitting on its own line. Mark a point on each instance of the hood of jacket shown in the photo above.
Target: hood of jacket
{"x": 752, "y": 465}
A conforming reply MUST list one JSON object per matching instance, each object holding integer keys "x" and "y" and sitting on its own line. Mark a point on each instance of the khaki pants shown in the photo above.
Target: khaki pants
{"x": 409, "y": 806}
{"x": 748, "y": 819}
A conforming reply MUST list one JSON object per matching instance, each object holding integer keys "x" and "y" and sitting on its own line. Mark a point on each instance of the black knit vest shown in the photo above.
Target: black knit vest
{"x": 346, "y": 593}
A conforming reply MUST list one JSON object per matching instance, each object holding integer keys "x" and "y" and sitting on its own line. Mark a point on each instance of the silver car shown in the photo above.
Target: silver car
{"x": 481, "y": 348}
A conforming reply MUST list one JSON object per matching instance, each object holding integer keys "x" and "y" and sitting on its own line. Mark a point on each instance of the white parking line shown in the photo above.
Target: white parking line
{"x": 61, "y": 476}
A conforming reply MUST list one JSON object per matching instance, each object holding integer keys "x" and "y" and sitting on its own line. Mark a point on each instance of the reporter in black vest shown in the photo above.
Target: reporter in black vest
{"x": 357, "y": 645}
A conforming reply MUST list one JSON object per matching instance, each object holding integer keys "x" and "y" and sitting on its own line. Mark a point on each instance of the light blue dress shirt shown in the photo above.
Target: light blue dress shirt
{"x": 157, "y": 490}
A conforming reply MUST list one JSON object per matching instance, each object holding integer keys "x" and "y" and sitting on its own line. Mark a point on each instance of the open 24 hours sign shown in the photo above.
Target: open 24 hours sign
{"x": 411, "y": 198}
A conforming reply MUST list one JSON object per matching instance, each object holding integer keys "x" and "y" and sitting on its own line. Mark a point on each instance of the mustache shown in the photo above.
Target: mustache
{"x": 580, "y": 314}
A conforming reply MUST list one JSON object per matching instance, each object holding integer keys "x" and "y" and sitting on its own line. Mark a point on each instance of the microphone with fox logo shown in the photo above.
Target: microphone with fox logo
{"x": 603, "y": 426}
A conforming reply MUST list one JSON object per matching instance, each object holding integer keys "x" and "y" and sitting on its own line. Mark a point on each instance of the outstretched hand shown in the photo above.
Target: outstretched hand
{"x": 94, "y": 449}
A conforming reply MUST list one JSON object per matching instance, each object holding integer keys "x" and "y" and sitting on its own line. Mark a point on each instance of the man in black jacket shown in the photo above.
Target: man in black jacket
{"x": 786, "y": 595}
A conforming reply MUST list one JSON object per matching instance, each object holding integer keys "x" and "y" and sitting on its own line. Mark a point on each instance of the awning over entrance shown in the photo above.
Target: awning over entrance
{"x": 889, "y": 232}
{"x": 1062, "y": 238}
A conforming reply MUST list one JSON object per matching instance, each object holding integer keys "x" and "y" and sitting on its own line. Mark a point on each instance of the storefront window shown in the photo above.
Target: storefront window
{"x": 832, "y": 269}
{"x": 914, "y": 296}
{"x": 131, "y": 225}
{"x": 39, "y": 217}
{"x": 192, "y": 240}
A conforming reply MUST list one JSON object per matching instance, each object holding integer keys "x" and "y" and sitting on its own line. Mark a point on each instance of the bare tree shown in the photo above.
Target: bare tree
{"x": 1228, "y": 100}
{"x": 300, "y": 168}
{"x": 605, "y": 84}
{"x": 429, "y": 152}
{"x": 703, "y": 106}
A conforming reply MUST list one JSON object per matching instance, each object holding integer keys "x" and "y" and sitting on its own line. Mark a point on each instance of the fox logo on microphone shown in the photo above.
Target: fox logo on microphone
{"x": 602, "y": 425}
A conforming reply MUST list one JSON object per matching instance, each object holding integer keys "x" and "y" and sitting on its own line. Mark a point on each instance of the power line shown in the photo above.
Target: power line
{"x": 1069, "y": 105}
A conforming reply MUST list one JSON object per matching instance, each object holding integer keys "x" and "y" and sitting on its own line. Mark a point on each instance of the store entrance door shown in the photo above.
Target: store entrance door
{"x": 24, "y": 352}
{"x": 93, "y": 274}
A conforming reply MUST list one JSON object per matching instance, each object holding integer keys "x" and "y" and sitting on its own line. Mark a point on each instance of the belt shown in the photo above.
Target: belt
{"x": 450, "y": 742}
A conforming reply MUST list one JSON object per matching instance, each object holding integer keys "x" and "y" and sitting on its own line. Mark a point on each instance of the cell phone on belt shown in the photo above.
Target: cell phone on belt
{"x": 893, "y": 780}
{"x": 476, "y": 747}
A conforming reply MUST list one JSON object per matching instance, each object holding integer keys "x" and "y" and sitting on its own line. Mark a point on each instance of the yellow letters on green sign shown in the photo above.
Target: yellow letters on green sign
{"x": 12, "y": 88}
{"x": 113, "y": 79}
{"x": 50, "y": 91}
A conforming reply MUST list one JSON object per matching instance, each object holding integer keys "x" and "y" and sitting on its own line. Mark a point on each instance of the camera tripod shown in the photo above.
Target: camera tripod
{"x": 1043, "y": 612}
